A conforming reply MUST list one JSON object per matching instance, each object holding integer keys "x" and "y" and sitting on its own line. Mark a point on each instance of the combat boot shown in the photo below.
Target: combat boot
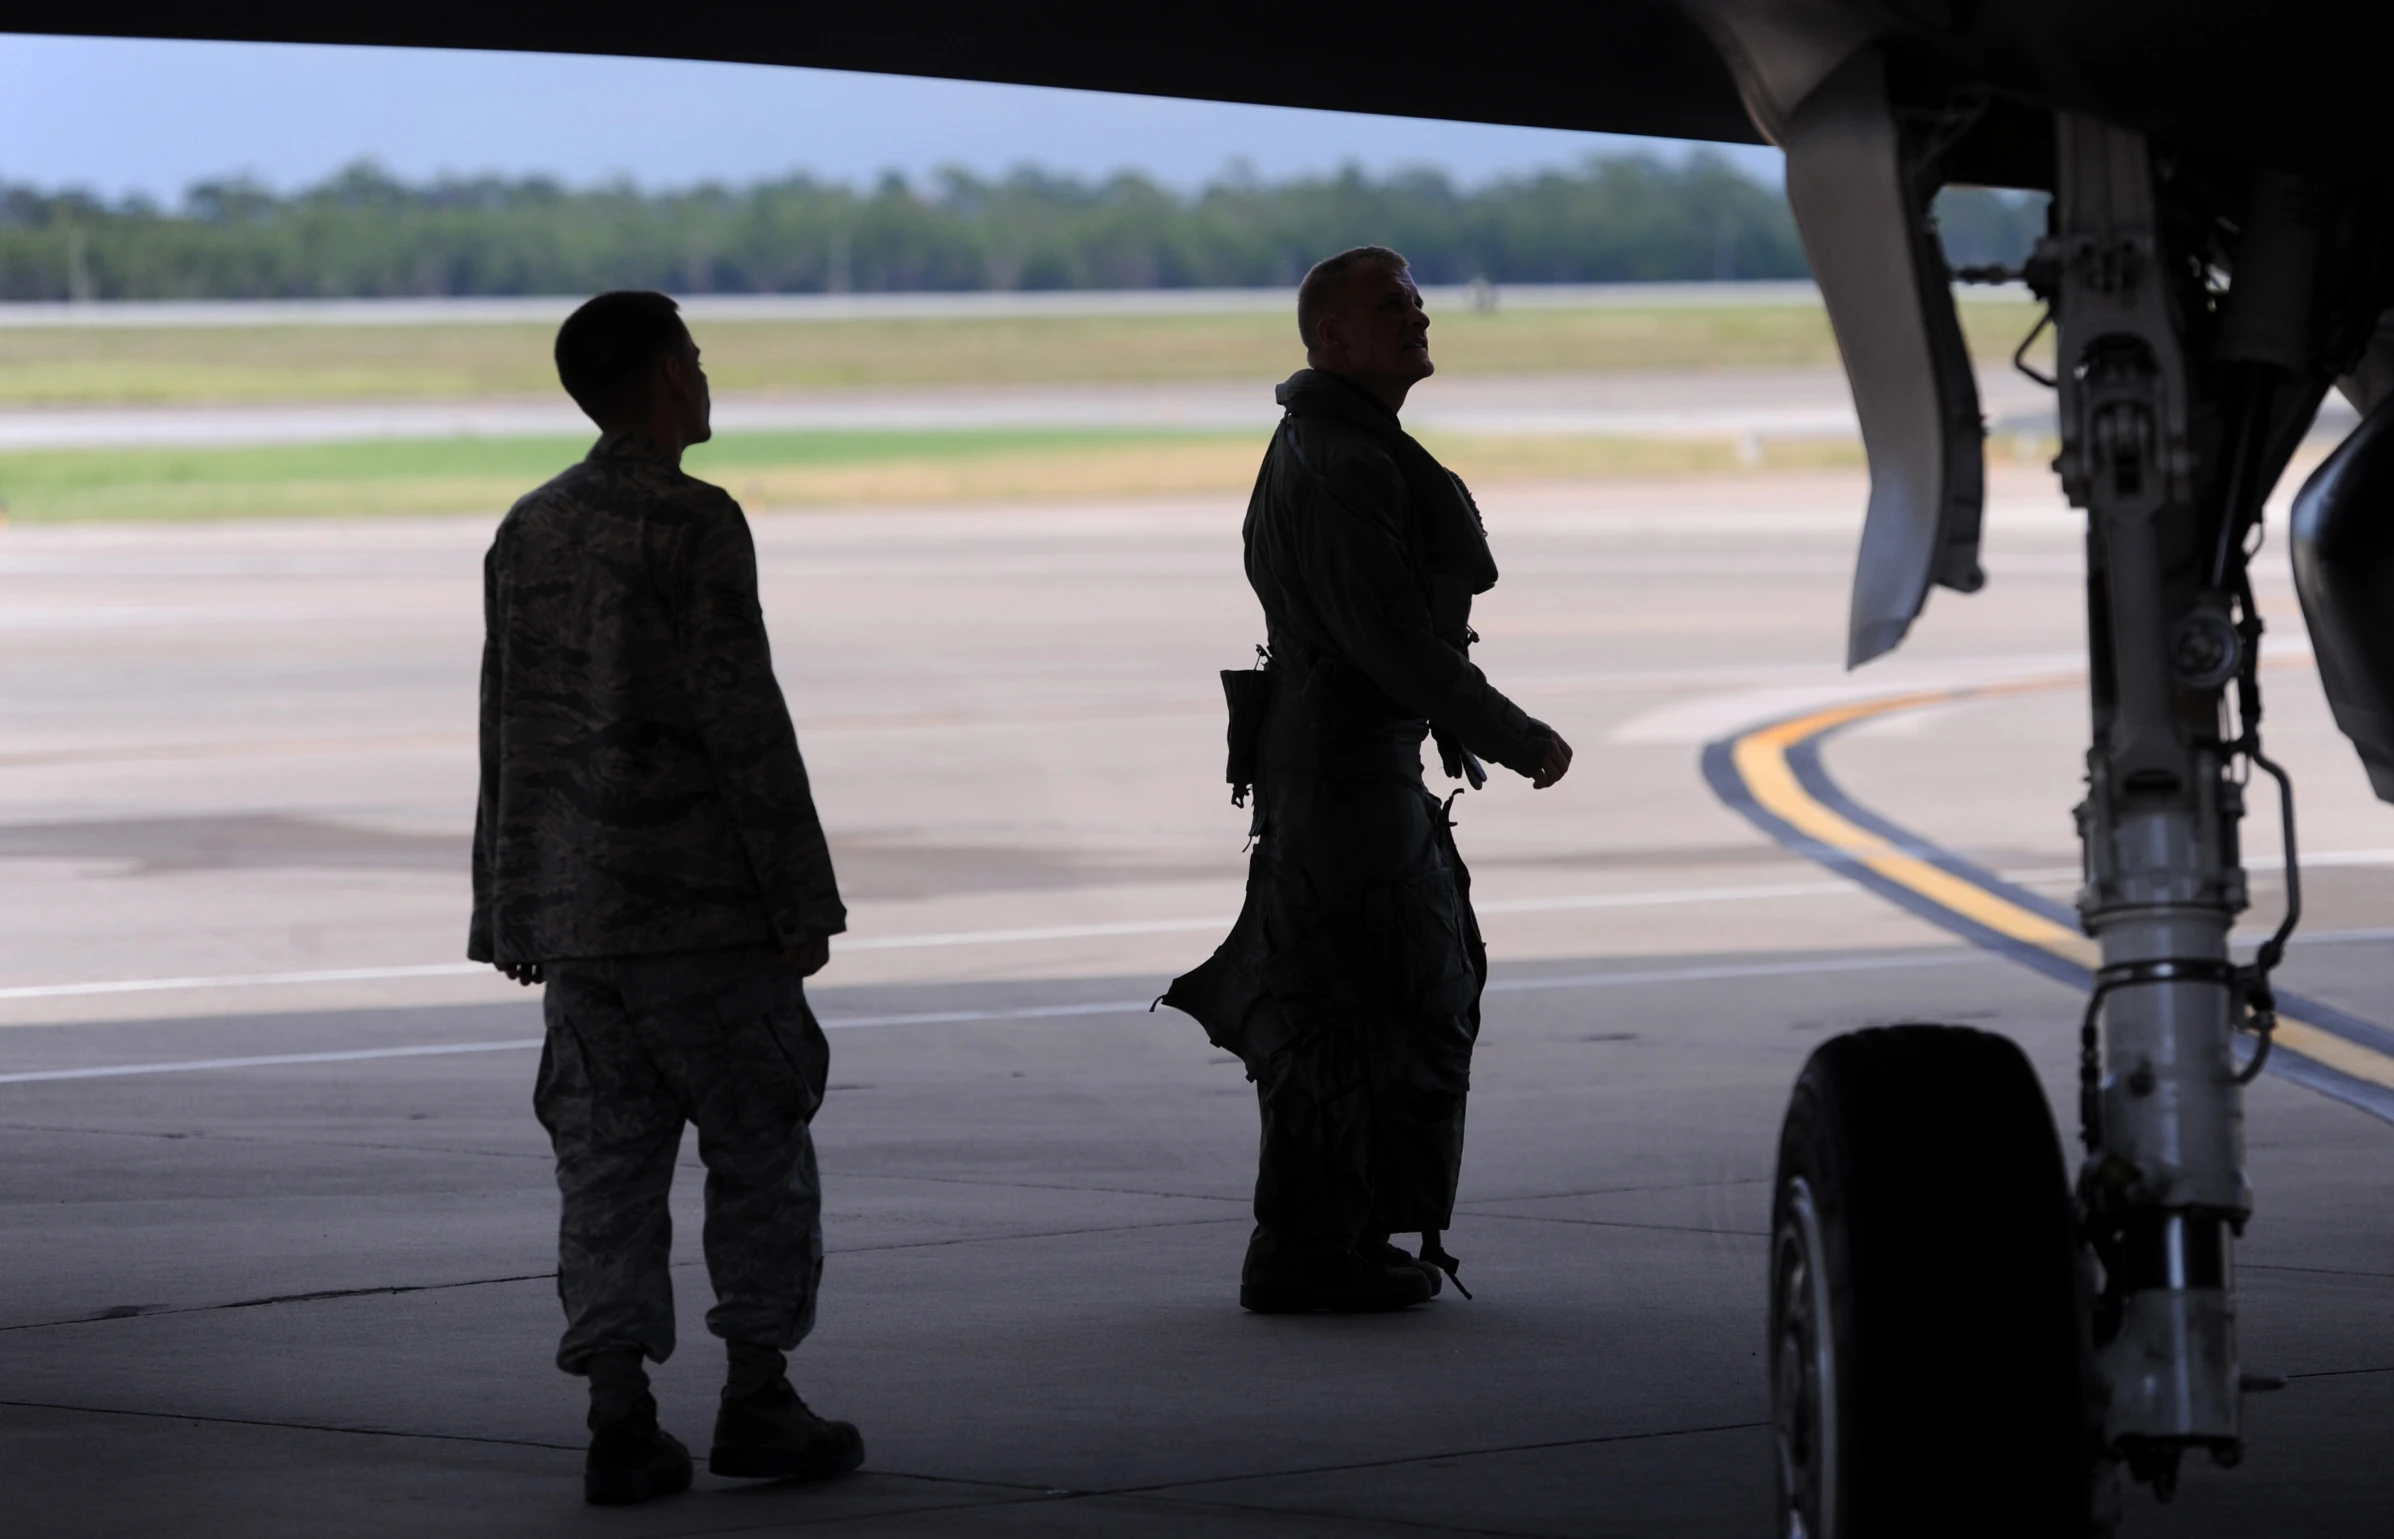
{"x": 1392, "y": 1254}
{"x": 769, "y": 1434}
{"x": 1348, "y": 1282}
{"x": 632, "y": 1459}
{"x": 1433, "y": 1263}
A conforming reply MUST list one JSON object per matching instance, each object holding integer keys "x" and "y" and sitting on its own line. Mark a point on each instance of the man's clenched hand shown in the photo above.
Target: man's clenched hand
{"x": 525, "y": 973}
{"x": 1556, "y": 765}
{"x": 809, "y": 955}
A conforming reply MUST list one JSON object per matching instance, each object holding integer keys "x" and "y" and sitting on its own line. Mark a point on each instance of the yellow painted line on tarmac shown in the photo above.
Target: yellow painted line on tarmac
{"x": 1761, "y": 760}
{"x": 1760, "y": 757}
{"x": 2323, "y": 1047}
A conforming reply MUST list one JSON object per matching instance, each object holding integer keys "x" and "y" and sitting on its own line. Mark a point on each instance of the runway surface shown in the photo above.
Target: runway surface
{"x": 1760, "y": 404}
{"x": 277, "y": 1221}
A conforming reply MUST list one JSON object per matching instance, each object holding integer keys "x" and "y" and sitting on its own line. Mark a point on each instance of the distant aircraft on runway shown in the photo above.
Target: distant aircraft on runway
{"x": 1963, "y": 1340}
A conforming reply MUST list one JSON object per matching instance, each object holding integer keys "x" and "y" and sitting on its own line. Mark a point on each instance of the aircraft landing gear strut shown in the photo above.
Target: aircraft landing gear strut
{"x": 2163, "y": 1191}
{"x": 1963, "y": 1339}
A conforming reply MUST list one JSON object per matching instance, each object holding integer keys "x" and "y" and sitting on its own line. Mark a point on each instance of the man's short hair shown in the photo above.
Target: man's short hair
{"x": 1321, "y": 287}
{"x": 606, "y": 348}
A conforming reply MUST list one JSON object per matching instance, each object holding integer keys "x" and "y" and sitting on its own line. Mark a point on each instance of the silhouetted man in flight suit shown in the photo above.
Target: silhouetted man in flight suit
{"x": 646, "y": 844}
{"x": 1350, "y": 985}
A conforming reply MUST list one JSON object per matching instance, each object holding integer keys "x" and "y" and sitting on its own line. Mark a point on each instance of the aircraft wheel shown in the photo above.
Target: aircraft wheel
{"x": 1928, "y": 1366}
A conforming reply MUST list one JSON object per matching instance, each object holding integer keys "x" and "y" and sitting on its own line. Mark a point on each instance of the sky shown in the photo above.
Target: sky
{"x": 118, "y": 117}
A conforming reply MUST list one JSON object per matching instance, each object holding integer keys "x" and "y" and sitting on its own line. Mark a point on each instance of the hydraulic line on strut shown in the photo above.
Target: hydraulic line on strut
{"x": 2249, "y": 983}
{"x": 2260, "y": 1002}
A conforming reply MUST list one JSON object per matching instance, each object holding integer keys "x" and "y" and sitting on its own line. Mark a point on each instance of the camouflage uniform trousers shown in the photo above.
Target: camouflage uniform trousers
{"x": 638, "y": 1046}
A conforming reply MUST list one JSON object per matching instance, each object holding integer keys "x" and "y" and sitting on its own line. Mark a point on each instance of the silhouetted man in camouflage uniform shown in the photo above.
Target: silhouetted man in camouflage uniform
{"x": 1350, "y": 985}
{"x": 646, "y": 845}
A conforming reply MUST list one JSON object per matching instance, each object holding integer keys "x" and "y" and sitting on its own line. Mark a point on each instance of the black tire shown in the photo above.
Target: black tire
{"x": 1921, "y": 1211}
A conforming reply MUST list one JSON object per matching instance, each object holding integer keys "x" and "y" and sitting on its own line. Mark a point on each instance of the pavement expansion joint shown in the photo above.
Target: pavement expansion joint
{"x": 287, "y": 1426}
{"x": 321, "y": 1296}
{"x": 782, "y": 1521}
{"x": 1620, "y": 1191}
{"x": 1036, "y": 1186}
{"x": 1376, "y": 1522}
{"x": 2338, "y": 1373}
{"x": 2243, "y": 1265}
{"x": 1399, "y": 1461}
{"x": 1624, "y": 1223}
{"x": 1040, "y": 1234}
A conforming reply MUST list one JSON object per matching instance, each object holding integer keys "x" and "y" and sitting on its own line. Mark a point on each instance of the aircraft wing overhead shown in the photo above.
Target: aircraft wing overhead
{"x": 1615, "y": 66}
{"x": 2295, "y": 83}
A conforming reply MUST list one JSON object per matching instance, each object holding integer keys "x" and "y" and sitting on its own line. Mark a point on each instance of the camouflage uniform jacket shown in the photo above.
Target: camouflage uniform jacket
{"x": 641, "y": 785}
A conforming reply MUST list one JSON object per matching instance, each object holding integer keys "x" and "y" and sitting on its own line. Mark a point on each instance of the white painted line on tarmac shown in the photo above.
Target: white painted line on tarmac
{"x": 1618, "y": 979}
{"x": 1665, "y": 898}
{"x": 1044, "y": 932}
{"x": 1661, "y": 898}
{"x": 1728, "y": 971}
{"x": 2311, "y": 860}
{"x": 241, "y": 980}
{"x": 962, "y": 1017}
{"x": 1627, "y": 978}
{"x": 193, "y": 1065}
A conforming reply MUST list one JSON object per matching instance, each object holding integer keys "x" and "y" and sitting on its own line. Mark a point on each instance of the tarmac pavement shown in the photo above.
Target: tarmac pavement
{"x": 313, "y": 1294}
{"x": 1758, "y": 403}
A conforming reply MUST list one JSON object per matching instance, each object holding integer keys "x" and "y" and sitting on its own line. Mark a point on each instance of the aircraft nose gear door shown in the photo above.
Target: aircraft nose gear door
{"x": 1860, "y": 187}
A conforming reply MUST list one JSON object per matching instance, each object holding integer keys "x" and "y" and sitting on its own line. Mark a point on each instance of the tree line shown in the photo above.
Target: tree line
{"x": 364, "y": 233}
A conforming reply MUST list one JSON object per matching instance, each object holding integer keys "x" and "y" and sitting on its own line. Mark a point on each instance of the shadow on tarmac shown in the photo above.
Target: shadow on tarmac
{"x": 317, "y": 1297}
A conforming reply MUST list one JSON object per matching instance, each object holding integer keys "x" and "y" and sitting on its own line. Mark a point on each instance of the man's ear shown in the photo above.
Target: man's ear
{"x": 671, "y": 379}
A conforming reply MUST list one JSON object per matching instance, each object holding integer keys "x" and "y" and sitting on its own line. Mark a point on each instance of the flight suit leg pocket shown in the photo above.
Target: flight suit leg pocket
{"x": 1423, "y": 959}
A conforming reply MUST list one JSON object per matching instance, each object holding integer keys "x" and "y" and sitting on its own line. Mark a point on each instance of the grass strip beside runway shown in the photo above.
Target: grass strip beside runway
{"x": 108, "y": 366}
{"x": 768, "y": 470}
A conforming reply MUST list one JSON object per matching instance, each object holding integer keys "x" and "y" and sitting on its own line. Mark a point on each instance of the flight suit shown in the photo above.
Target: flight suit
{"x": 646, "y": 833}
{"x": 1350, "y": 984}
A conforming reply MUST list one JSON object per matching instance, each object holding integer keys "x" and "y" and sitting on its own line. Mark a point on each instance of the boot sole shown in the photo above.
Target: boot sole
{"x": 740, "y": 1463}
{"x": 1264, "y": 1299}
